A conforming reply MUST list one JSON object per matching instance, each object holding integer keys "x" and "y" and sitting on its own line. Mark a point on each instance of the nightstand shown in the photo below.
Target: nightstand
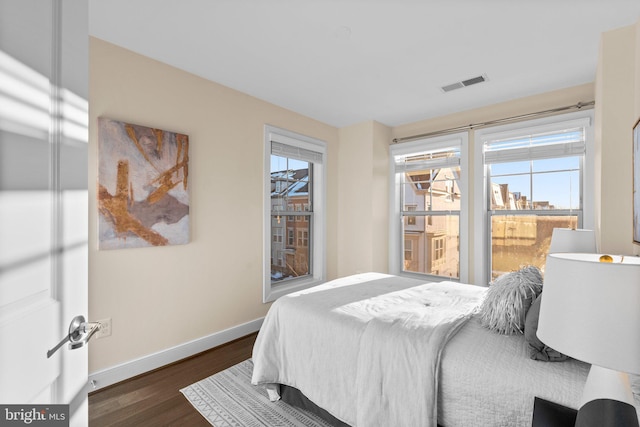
{"x": 550, "y": 414}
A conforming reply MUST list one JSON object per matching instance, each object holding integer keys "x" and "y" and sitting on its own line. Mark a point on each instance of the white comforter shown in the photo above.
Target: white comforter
{"x": 367, "y": 347}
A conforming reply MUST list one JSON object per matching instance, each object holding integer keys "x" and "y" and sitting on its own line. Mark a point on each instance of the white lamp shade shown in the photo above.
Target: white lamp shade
{"x": 570, "y": 240}
{"x": 590, "y": 310}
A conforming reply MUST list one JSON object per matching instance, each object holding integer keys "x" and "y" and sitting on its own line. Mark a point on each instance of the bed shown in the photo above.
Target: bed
{"x": 376, "y": 349}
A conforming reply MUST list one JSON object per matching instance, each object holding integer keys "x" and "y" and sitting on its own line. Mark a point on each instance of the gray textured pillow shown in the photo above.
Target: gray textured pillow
{"x": 508, "y": 299}
{"x": 537, "y": 349}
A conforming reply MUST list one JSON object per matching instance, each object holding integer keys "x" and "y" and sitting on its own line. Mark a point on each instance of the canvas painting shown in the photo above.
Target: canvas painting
{"x": 143, "y": 186}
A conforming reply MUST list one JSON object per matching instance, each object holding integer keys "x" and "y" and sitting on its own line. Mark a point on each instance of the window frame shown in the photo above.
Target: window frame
{"x": 482, "y": 219}
{"x": 396, "y": 242}
{"x": 317, "y": 222}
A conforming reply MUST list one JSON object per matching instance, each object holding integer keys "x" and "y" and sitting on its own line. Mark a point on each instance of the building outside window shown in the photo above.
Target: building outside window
{"x": 295, "y": 180}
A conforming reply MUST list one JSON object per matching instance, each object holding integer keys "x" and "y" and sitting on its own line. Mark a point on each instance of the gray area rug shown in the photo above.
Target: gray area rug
{"x": 228, "y": 399}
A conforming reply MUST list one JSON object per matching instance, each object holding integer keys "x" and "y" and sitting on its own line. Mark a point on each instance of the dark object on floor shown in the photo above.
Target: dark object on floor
{"x": 549, "y": 414}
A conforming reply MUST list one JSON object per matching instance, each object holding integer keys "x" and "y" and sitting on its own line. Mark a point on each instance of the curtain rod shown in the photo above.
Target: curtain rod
{"x": 577, "y": 106}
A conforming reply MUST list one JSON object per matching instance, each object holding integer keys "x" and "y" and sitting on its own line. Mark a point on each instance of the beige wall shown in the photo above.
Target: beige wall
{"x": 162, "y": 297}
{"x": 363, "y": 198}
{"x": 617, "y": 95}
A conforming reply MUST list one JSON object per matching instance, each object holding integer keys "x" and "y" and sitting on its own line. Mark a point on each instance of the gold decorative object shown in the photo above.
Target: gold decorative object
{"x": 606, "y": 258}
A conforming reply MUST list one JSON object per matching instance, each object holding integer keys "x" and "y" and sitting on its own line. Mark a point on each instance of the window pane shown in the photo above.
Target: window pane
{"x": 521, "y": 240}
{"x": 290, "y": 234}
{"x": 290, "y": 249}
{"x": 511, "y": 192}
{"x": 510, "y": 168}
{"x": 289, "y": 183}
{"x": 556, "y": 190}
{"x": 431, "y": 246}
{"x": 432, "y": 189}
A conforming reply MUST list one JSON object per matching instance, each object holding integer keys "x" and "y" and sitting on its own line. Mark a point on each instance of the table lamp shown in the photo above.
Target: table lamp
{"x": 572, "y": 240}
{"x": 590, "y": 310}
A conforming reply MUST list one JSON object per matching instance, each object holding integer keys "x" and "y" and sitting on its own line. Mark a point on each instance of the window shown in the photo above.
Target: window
{"x": 429, "y": 207}
{"x": 303, "y": 238}
{"x": 408, "y": 250}
{"x": 294, "y": 179}
{"x": 411, "y": 220}
{"x": 277, "y": 234}
{"x": 438, "y": 248}
{"x": 535, "y": 175}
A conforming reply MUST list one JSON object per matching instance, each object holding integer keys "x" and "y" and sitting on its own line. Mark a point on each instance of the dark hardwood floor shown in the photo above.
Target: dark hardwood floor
{"x": 154, "y": 398}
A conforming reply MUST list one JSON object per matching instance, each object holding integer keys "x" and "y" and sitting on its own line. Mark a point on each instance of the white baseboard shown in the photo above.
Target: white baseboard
{"x": 115, "y": 374}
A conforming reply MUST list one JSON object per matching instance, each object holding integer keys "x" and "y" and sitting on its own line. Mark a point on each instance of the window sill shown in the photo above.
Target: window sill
{"x": 274, "y": 291}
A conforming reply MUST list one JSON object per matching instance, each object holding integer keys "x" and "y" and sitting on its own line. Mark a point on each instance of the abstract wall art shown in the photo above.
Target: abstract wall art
{"x": 143, "y": 186}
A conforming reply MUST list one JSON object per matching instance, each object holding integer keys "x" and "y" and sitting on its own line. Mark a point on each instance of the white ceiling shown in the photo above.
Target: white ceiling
{"x": 347, "y": 61}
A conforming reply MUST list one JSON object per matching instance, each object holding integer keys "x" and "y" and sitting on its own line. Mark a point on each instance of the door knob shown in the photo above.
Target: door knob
{"x": 80, "y": 332}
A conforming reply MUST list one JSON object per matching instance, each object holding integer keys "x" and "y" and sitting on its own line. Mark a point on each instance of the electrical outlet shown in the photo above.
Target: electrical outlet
{"x": 105, "y": 328}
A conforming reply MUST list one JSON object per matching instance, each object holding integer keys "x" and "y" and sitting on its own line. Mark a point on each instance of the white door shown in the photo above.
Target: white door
{"x": 43, "y": 201}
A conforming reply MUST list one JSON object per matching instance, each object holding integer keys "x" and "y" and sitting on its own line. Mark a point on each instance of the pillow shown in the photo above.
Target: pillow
{"x": 508, "y": 299}
{"x": 537, "y": 349}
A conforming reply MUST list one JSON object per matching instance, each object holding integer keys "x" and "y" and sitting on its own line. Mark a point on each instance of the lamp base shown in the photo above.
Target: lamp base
{"x": 604, "y": 383}
{"x": 607, "y": 413}
{"x": 607, "y": 400}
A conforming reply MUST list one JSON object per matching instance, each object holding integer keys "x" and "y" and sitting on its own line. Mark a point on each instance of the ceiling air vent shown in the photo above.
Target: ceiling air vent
{"x": 464, "y": 83}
